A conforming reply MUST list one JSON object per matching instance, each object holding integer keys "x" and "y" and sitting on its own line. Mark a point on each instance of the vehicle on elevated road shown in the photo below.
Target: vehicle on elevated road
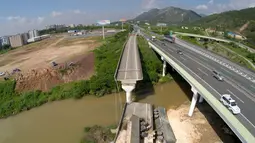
{"x": 230, "y": 103}
{"x": 217, "y": 75}
{"x": 179, "y": 52}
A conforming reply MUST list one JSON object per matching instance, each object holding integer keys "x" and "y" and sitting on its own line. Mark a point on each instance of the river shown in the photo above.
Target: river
{"x": 64, "y": 121}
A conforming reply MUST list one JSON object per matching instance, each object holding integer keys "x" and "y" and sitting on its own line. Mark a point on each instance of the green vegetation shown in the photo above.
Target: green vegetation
{"x": 101, "y": 83}
{"x": 65, "y": 29}
{"x": 98, "y": 134}
{"x": 5, "y": 48}
{"x": 151, "y": 64}
{"x": 166, "y": 30}
{"x": 231, "y": 21}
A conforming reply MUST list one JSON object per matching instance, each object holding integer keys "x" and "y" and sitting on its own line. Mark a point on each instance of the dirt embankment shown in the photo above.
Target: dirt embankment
{"x": 205, "y": 126}
{"x": 46, "y": 78}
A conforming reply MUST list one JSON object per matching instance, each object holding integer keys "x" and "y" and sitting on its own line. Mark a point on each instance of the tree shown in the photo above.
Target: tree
{"x": 6, "y": 46}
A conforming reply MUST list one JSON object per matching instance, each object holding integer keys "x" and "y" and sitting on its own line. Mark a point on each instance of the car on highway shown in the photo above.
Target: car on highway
{"x": 163, "y": 44}
{"x": 217, "y": 75}
{"x": 179, "y": 52}
{"x": 230, "y": 103}
{"x": 2, "y": 73}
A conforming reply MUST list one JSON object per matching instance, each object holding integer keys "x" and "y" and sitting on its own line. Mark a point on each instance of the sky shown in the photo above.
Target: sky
{"x": 22, "y": 15}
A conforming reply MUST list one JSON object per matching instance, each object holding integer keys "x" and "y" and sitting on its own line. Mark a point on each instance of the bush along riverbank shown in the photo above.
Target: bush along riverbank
{"x": 106, "y": 59}
{"x": 98, "y": 134}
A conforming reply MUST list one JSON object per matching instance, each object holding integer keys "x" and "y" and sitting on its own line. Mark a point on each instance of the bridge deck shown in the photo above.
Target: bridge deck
{"x": 130, "y": 64}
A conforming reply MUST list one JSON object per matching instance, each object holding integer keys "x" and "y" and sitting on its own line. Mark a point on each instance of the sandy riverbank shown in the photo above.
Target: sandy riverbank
{"x": 205, "y": 126}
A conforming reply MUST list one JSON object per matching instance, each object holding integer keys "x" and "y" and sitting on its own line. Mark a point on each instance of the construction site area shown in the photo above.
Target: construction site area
{"x": 44, "y": 64}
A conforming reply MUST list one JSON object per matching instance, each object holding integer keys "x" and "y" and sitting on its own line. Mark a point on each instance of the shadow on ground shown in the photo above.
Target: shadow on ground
{"x": 144, "y": 87}
{"x": 218, "y": 125}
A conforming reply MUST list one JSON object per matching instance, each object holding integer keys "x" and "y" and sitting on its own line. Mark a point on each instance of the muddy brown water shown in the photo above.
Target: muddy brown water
{"x": 64, "y": 121}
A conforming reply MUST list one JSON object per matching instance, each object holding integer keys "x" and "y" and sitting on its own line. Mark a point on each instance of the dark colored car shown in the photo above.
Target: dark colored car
{"x": 179, "y": 52}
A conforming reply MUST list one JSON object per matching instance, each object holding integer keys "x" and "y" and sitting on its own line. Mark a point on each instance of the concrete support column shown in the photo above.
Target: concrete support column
{"x": 201, "y": 99}
{"x": 164, "y": 67}
{"x": 193, "y": 102}
{"x": 128, "y": 89}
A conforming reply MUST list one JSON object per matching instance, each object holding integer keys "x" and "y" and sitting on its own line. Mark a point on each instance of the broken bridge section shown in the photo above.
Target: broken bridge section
{"x": 129, "y": 69}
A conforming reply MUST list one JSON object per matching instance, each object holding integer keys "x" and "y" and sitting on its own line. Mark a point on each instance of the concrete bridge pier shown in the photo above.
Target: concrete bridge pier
{"x": 194, "y": 101}
{"x": 164, "y": 67}
{"x": 128, "y": 88}
{"x": 201, "y": 99}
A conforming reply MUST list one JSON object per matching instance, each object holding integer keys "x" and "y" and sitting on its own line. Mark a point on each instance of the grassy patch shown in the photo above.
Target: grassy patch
{"x": 98, "y": 134}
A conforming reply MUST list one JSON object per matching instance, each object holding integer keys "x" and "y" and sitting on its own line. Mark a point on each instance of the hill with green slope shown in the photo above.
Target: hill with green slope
{"x": 231, "y": 21}
{"x": 169, "y": 15}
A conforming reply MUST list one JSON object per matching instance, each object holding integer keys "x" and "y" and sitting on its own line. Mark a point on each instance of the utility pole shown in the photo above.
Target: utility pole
{"x": 103, "y": 32}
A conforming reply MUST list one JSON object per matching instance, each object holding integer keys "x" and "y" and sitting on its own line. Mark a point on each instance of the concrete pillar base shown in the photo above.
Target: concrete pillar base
{"x": 201, "y": 99}
{"x": 128, "y": 89}
{"x": 193, "y": 102}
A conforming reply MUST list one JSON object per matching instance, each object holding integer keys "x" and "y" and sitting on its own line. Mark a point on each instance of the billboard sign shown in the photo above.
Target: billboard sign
{"x": 123, "y": 20}
{"x": 103, "y": 22}
{"x": 161, "y": 24}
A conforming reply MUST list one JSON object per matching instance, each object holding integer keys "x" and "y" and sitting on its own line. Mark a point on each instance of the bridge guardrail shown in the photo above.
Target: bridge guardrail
{"x": 241, "y": 131}
{"x": 121, "y": 54}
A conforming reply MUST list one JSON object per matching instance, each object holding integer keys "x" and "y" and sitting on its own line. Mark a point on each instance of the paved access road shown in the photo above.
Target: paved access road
{"x": 200, "y": 67}
{"x": 130, "y": 64}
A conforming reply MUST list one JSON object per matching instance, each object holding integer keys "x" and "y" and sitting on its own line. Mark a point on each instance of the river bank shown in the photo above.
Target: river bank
{"x": 205, "y": 126}
{"x": 64, "y": 121}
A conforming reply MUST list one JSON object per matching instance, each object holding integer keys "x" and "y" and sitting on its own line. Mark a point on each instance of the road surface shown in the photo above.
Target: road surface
{"x": 130, "y": 64}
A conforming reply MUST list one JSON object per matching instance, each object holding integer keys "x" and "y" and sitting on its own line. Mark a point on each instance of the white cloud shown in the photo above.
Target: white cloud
{"x": 201, "y": 7}
{"x": 149, "y": 4}
{"x": 211, "y": 2}
{"x": 55, "y": 14}
{"x": 77, "y": 11}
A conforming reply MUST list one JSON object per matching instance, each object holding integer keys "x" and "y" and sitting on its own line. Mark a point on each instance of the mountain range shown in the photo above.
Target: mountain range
{"x": 239, "y": 21}
{"x": 169, "y": 15}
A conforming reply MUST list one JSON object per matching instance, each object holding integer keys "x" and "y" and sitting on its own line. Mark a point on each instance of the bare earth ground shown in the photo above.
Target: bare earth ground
{"x": 203, "y": 127}
{"x": 35, "y": 59}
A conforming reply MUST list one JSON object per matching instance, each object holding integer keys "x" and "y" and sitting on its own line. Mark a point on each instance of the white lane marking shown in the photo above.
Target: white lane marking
{"x": 134, "y": 109}
{"x": 170, "y": 50}
{"x": 135, "y": 56}
{"x": 247, "y": 120}
{"x": 127, "y": 56}
{"x": 198, "y": 63}
{"x": 202, "y": 71}
{"x": 204, "y": 82}
{"x": 183, "y": 58}
{"x": 234, "y": 95}
{"x": 226, "y": 71}
{"x": 240, "y": 90}
{"x": 203, "y": 58}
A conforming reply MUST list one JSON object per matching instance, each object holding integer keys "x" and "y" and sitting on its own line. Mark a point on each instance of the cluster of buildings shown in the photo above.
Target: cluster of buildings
{"x": 21, "y": 39}
{"x": 60, "y": 26}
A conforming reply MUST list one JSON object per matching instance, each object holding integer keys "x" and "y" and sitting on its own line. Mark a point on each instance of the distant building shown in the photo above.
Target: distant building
{"x": 161, "y": 24}
{"x": 55, "y": 26}
{"x": 33, "y": 33}
{"x": 18, "y": 40}
{"x": 5, "y": 40}
{"x": 25, "y": 37}
{"x": 236, "y": 36}
{"x": 72, "y": 25}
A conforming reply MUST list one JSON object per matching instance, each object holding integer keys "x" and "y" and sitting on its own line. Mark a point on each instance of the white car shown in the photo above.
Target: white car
{"x": 2, "y": 73}
{"x": 230, "y": 103}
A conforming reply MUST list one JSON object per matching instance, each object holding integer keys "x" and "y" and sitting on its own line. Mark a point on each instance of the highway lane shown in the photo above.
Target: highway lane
{"x": 201, "y": 69}
{"x": 236, "y": 79}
